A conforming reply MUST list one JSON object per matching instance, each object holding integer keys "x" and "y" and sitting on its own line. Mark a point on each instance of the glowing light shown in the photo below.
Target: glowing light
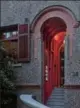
{"x": 56, "y": 37}
{"x": 59, "y": 36}
{"x": 64, "y": 41}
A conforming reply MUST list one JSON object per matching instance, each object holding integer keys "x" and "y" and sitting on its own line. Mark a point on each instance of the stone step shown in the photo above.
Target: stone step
{"x": 56, "y": 106}
{"x": 58, "y": 88}
{"x": 56, "y": 97}
{"x": 56, "y": 100}
{"x": 51, "y": 106}
{"x": 56, "y": 103}
{"x": 62, "y": 89}
{"x": 58, "y": 92}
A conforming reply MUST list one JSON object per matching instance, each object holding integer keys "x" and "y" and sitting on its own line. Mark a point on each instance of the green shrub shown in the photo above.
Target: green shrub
{"x": 7, "y": 76}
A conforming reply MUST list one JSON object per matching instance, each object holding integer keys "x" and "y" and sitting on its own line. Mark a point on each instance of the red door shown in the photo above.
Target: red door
{"x": 46, "y": 74}
{"x": 52, "y": 67}
{"x": 51, "y": 70}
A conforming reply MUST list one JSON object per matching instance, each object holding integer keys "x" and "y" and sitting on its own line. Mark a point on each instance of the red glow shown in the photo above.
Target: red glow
{"x": 54, "y": 31}
{"x": 60, "y": 36}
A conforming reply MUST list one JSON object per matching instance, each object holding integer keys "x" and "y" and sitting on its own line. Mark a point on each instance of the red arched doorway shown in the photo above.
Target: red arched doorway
{"x": 54, "y": 31}
{"x": 51, "y": 23}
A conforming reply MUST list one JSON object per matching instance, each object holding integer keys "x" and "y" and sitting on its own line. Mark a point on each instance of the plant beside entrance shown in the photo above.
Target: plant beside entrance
{"x": 7, "y": 98}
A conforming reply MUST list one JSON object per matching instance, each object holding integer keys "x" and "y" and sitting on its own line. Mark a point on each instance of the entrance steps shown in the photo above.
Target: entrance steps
{"x": 56, "y": 100}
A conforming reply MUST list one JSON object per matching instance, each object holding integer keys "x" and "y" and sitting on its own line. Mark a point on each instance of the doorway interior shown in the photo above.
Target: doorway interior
{"x": 53, "y": 33}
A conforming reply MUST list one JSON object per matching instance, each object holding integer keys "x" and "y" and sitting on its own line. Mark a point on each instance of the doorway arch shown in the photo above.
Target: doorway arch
{"x": 66, "y": 22}
{"x": 53, "y": 32}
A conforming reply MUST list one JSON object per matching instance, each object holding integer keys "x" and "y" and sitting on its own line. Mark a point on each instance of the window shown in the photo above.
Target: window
{"x": 16, "y": 41}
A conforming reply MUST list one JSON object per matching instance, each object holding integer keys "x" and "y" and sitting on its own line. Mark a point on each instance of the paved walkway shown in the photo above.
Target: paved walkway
{"x": 56, "y": 100}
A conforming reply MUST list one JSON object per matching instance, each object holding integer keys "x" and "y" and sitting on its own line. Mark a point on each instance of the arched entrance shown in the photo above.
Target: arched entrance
{"x": 53, "y": 33}
{"x": 50, "y": 27}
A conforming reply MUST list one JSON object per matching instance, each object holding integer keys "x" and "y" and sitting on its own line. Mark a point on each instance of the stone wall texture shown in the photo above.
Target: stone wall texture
{"x": 72, "y": 98}
{"x": 13, "y": 12}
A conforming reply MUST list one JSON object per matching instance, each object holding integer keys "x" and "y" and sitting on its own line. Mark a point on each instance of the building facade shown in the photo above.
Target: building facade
{"x": 54, "y": 31}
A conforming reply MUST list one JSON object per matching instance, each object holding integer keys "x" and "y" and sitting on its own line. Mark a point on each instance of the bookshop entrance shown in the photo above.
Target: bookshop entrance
{"x": 50, "y": 27}
{"x": 54, "y": 32}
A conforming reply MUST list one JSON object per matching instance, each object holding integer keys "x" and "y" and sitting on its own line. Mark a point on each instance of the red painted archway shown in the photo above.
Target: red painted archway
{"x": 53, "y": 31}
{"x": 50, "y": 24}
